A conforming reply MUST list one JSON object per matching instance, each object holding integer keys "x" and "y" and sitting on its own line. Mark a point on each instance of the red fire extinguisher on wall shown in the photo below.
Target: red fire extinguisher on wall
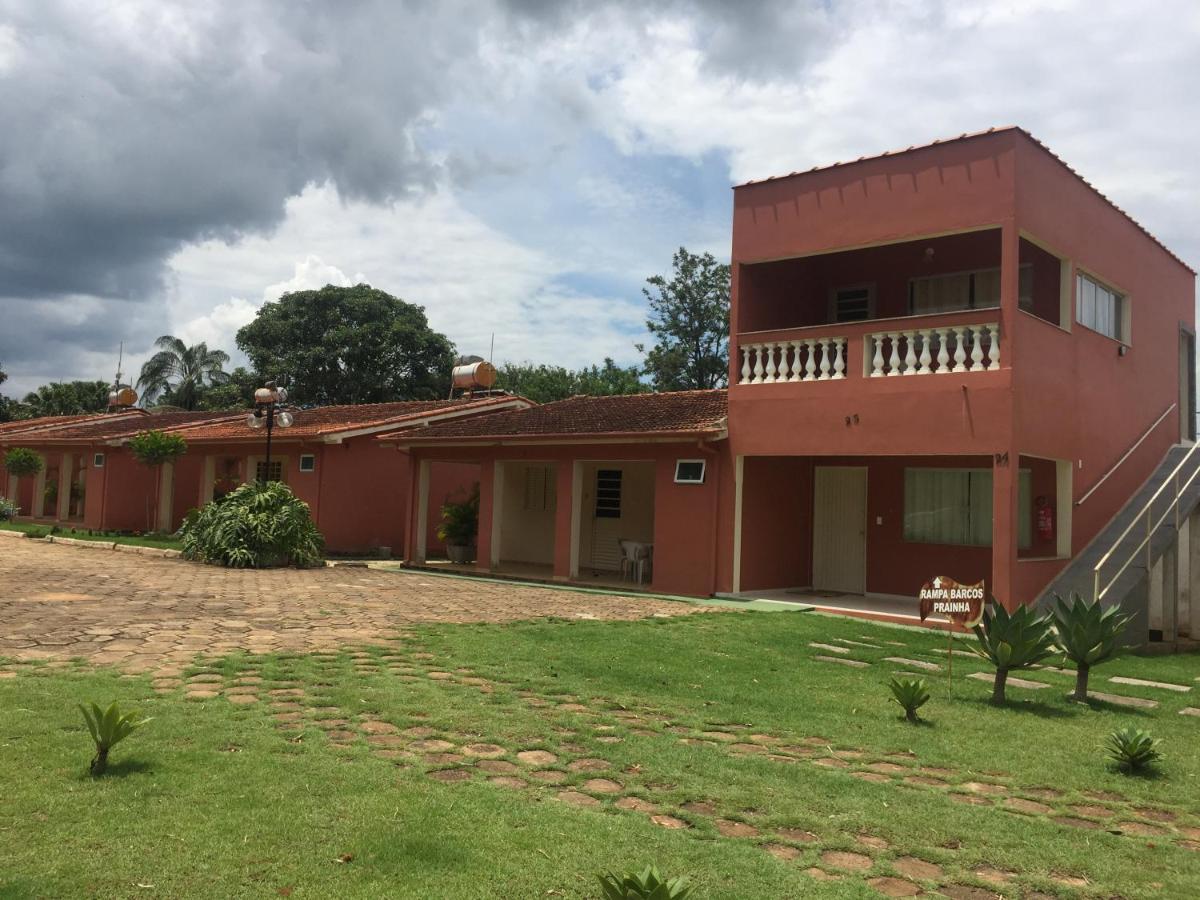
{"x": 1044, "y": 520}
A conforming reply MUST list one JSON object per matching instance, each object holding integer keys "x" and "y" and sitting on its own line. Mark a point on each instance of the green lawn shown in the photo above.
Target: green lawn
{"x": 725, "y": 723}
{"x": 166, "y": 543}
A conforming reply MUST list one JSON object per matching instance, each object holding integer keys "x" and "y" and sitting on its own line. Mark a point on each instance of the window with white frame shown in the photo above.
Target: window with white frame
{"x": 272, "y": 473}
{"x": 1099, "y": 307}
{"x": 98, "y": 460}
{"x": 954, "y": 506}
{"x": 308, "y": 462}
{"x": 608, "y": 493}
{"x": 689, "y": 471}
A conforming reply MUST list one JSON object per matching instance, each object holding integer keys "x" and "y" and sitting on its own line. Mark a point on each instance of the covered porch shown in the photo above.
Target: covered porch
{"x": 863, "y": 534}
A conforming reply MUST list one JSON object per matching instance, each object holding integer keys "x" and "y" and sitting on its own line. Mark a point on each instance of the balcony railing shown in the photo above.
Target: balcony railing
{"x": 938, "y": 344}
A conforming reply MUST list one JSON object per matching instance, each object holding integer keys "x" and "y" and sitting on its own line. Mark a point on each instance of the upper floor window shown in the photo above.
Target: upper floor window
{"x": 853, "y": 304}
{"x": 264, "y": 473}
{"x": 979, "y": 289}
{"x": 1100, "y": 308}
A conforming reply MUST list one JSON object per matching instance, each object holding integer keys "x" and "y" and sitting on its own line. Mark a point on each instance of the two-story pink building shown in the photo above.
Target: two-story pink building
{"x": 955, "y": 359}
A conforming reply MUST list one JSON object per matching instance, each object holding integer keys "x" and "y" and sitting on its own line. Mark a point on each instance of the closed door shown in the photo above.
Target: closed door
{"x": 840, "y": 529}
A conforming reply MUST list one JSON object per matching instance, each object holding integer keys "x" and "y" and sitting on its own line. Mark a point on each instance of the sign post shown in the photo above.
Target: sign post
{"x": 960, "y": 603}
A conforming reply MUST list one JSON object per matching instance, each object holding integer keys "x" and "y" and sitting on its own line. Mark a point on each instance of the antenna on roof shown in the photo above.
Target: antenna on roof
{"x": 122, "y": 396}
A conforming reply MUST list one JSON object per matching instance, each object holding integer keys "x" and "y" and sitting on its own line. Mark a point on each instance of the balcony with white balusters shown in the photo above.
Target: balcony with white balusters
{"x": 960, "y": 342}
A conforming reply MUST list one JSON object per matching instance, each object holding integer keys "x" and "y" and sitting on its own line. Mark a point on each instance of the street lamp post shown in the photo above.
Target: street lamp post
{"x": 268, "y": 412}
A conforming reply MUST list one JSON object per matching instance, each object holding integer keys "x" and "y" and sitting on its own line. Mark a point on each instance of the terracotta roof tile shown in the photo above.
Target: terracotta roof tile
{"x": 966, "y": 136}
{"x": 325, "y": 421}
{"x": 112, "y": 426}
{"x": 633, "y": 415}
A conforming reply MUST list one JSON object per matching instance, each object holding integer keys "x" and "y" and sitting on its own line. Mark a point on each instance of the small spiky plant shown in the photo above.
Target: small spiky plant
{"x": 911, "y": 694}
{"x": 108, "y": 728}
{"x": 649, "y": 885}
{"x": 1133, "y": 749}
{"x": 1088, "y": 635}
{"x": 1012, "y": 641}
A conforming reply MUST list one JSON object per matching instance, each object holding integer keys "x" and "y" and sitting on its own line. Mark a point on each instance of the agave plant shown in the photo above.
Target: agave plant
{"x": 911, "y": 694}
{"x": 649, "y": 885}
{"x": 108, "y": 728}
{"x": 1087, "y": 634}
{"x": 1012, "y": 641}
{"x": 1133, "y": 749}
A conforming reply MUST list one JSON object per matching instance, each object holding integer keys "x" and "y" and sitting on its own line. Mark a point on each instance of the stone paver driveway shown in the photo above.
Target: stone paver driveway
{"x": 150, "y": 614}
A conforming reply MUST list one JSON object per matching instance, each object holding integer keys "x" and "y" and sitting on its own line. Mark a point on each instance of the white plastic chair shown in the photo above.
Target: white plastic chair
{"x": 635, "y": 559}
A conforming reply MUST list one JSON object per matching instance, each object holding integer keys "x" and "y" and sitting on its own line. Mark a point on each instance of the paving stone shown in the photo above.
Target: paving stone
{"x": 664, "y": 821}
{"x": 393, "y": 741}
{"x": 782, "y": 851}
{"x": 1121, "y": 700}
{"x": 993, "y": 875}
{"x": 1190, "y": 711}
{"x": 1091, "y": 811}
{"x": 984, "y": 787}
{"x": 845, "y": 859}
{"x": 967, "y": 892}
{"x": 914, "y": 663}
{"x": 450, "y": 775}
{"x": 1075, "y": 822}
{"x": 853, "y": 663}
{"x": 431, "y": 745}
{"x": 1032, "y": 807}
{"x": 201, "y": 695}
{"x": 1013, "y": 681}
{"x": 821, "y": 875}
{"x": 418, "y": 731}
{"x": 1161, "y": 685}
{"x": 872, "y": 841}
{"x": 373, "y": 726}
{"x": 636, "y": 804}
{"x": 549, "y": 776}
{"x": 729, "y": 828}
{"x": 507, "y": 781}
{"x": 912, "y": 867}
{"x": 858, "y": 644}
{"x": 575, "y": 798}
{"x": 242, "y": 699}
{"x": 831, "y": 762}
{"x": 924, "y": 781}
{"x": 486, "y": 751}
{"x": 498, "y": 766}
{"x": 590, "y": 764}
{"x": 894, "y": 887}
{"x": 888, "y": 768}
{"x": 799, "y": 835}
{"x": 832, "y": 648}
{"x": 602, "y": 786}
{"x": 1155, "y": 814}
{"x": 1141, "y": 829}
{"x": 537, "y": 757}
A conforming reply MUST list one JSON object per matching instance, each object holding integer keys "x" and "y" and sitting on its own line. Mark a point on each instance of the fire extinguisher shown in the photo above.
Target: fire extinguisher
{"x": 1044, "y": 520}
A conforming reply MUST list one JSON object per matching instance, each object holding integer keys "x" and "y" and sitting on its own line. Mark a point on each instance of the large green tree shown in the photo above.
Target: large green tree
{"x": 177, "y": 375}
{"x": 65, "y": 398}
{"x": 543, "y": 384}
{"x": 689, "y": 322}
{"x": 349, "y": 345}
{"x": 237, "y": 392}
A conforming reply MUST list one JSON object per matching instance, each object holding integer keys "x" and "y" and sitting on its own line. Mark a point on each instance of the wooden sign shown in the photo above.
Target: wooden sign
{"x": 960, "y": 603}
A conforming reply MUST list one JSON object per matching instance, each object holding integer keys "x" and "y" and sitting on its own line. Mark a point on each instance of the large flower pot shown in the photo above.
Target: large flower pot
{"x": 460, "y": 553}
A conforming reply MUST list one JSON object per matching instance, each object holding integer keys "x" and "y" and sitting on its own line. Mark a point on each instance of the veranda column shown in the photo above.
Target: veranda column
{"x": 166, "y": 496}
{"x": 207, "y": 481}
{"x": 739, "y": 471}
{"x": 1194, "y": 576}
{"x": 1004, "y": 528}
{"x": 421, "y": 525}
{"x": 1010, "y": 273}
{"x": 576, "y": 514}
{"x": 37, "y": 507}
{"x": 65, "y": 472}
{"x": 495, "y": 508}
{"x": 564, "y": 475}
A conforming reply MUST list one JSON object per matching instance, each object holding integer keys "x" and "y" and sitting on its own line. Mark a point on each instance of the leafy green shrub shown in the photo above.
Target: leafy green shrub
{"x": 153, "y": 448}
{"x": 911, "y": 694}
{"x": 1087, "y": 634}
{"x": 37, "y": 532}
{"x": 460, "y": 521}
{"x": 8, "y": 510}
{"x": 108, "y": 728}
{"x": 256, "y": 526}
{"x": 649, "y": 885}
{"x": 1133, "y": 749}
{"x": 23, "y": 462}
{"x": 1012, "y": 641}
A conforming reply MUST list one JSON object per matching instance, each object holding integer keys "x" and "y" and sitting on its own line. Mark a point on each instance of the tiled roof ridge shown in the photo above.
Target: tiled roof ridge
{"x": 970, "y": 135}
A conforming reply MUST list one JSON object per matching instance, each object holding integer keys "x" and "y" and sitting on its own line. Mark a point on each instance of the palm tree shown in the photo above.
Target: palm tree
{"x": 179, "y": 373}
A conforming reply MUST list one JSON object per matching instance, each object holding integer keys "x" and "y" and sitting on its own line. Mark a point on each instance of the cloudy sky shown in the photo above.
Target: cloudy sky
{"x": 516, "y": 168}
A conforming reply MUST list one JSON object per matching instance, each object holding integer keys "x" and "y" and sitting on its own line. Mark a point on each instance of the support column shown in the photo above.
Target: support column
{"x": 421, "y": 526}
{"x": 564, "y": 484}
{"x": 1170, "y": 592}
{"x": 1010, "y": 290}
{"x": 739, "y": 469}
{"x": 166, "y": 497}
{"x": 576, "y": 514}
{"x": 38, "y": 504}
{"x": 63, "y": 512}
{"x": 497, "y": 517}
{"x": 13, "y": 484}
{"x": 1004, "y": 528}
{"x": 1154, "y": 595}
{"x": 208, "y": 481}
{"x": 1183, "y": 578}
{"x": 1194, "y": 576}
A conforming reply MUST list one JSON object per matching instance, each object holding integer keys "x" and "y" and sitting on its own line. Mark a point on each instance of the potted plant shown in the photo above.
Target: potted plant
{"x": 459, "y": 527}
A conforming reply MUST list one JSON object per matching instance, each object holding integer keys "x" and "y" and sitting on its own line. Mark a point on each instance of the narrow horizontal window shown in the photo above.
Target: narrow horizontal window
{"x": 689, "y": 471}
{"x": 308, "y": 462}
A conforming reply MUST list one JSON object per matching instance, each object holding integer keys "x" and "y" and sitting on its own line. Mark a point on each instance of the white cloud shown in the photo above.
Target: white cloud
{"x": 472, "y": 280}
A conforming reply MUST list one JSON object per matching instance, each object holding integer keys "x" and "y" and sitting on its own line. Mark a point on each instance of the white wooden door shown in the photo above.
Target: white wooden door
{"x": 840, "y": 529}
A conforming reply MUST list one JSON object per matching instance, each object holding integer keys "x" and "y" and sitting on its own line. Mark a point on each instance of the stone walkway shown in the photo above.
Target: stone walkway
{"x": 149, "y": 614}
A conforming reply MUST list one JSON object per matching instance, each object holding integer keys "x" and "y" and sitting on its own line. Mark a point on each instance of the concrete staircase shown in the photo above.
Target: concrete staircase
{"x": 1158, "y": 597}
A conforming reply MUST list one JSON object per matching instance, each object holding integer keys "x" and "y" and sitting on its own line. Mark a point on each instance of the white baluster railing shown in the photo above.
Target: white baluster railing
{"x": 933, "y": 351}
{"x": 812, "y": 359}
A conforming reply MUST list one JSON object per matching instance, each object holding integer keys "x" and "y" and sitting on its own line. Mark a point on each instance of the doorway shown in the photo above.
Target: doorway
{"x": 840, "y": 529}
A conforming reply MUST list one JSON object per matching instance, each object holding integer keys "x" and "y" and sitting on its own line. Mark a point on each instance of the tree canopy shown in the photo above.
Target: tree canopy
{"x": 348, "y": 345}
{"x": 543, "y": 384}
{"x": 177, "y": 375}
{"x": 236, "y": 392}
{"x": 689, "y": 321}
{"x": 64, "y": 398}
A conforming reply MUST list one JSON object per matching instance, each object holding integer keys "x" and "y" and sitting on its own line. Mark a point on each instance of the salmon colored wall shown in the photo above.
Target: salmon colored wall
{"x": 776, "y": 522}
{"x": 686, "y": 517}
{"x": 448, "y": 482}
{"x": 127, "y": 494}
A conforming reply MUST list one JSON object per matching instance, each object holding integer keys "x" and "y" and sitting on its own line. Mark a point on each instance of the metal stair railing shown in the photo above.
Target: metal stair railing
{"x": 1146, "y": 513}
